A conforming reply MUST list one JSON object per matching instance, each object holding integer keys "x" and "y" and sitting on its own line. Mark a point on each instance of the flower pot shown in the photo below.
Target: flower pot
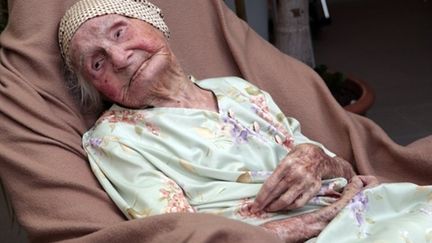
{"x": 353, "y": 94}
{"x": 364, "y": 93}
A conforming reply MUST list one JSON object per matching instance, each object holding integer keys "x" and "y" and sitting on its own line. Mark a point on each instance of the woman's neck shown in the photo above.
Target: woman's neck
{"x": 188, "y": 95}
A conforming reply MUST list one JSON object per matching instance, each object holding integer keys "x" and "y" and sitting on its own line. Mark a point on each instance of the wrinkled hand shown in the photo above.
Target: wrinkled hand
{"x": 305, "y": 226}
{"x": 294, "y": 182}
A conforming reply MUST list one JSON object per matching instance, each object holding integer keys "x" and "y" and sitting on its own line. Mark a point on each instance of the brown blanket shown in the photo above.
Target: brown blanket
{"x": 44, "y": 168}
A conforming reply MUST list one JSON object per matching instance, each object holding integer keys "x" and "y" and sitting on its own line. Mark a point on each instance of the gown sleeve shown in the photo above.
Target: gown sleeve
{"x": 292, "y": 125}
{"x": 271, "y": 112}
{"x": 135, "y": 185}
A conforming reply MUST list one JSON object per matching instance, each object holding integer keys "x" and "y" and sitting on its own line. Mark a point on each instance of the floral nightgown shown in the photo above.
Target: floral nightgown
{"x": 163, "y": 160}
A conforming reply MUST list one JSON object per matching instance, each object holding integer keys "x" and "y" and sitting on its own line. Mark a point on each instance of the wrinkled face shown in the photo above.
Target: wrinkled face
{"x": 124, "y": 58}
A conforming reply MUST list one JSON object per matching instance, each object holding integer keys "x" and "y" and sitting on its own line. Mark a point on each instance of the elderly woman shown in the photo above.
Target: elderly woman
{"x": 170, "y": 143}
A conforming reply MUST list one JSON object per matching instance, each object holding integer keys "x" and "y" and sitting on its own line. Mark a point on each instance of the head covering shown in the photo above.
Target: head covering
{"x": 84, "y": 10}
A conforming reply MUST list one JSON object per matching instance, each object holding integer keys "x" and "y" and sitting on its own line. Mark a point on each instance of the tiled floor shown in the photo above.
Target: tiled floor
{"x": 389, "y": 44}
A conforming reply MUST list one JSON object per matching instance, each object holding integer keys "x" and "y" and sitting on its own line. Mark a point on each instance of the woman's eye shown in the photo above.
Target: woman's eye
{"x": 118, "y": 33}
{"x": 97, "y": 65}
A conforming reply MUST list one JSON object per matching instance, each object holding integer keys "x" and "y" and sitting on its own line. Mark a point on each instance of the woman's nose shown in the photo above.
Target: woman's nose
{"x": 120, "y": 57}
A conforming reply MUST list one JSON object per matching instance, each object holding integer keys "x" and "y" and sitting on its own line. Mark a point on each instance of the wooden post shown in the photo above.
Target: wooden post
{"x": 3, "y": 14}
{"x": 241, "y": 9}
{"x": 292, "y": 31}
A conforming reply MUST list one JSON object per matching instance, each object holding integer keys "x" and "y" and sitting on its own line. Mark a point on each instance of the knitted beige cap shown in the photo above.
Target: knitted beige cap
{"x": 84, "y": 10}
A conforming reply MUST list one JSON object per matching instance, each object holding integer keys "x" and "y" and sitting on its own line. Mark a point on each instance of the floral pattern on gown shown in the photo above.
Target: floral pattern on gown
{"x": 389, "y": 213}
{"x": 218, "y": 160}
{"x": 163, "y": 160}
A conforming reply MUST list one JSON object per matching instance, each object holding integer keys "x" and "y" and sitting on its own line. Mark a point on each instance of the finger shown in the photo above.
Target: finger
{"x": 328, "y": 213}
{"x": 271, "y": 191}
{"x": 272, "y": 187}
{"x": 304, "y": 197}
{"x": 369, "y": 181}
{"x": 354, "y": 186}
{"x": 285, "y": 199}
{"x": 299, "y": 202}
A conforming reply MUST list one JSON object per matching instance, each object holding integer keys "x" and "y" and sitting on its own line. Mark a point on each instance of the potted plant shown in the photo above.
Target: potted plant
{"x": 354, "y": 95}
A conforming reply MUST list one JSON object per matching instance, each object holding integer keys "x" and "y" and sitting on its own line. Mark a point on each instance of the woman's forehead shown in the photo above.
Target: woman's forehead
{"x": 96, "y": 29}
{"x": 101, "y": 22}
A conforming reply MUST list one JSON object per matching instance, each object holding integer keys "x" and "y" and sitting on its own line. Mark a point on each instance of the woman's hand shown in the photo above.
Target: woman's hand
{"x": 306, "y": 226}
{"x": 298, "y": 178}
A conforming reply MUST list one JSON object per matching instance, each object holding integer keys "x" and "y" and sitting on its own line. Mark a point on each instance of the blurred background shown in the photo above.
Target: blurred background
{"x": 386, "y": 44}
